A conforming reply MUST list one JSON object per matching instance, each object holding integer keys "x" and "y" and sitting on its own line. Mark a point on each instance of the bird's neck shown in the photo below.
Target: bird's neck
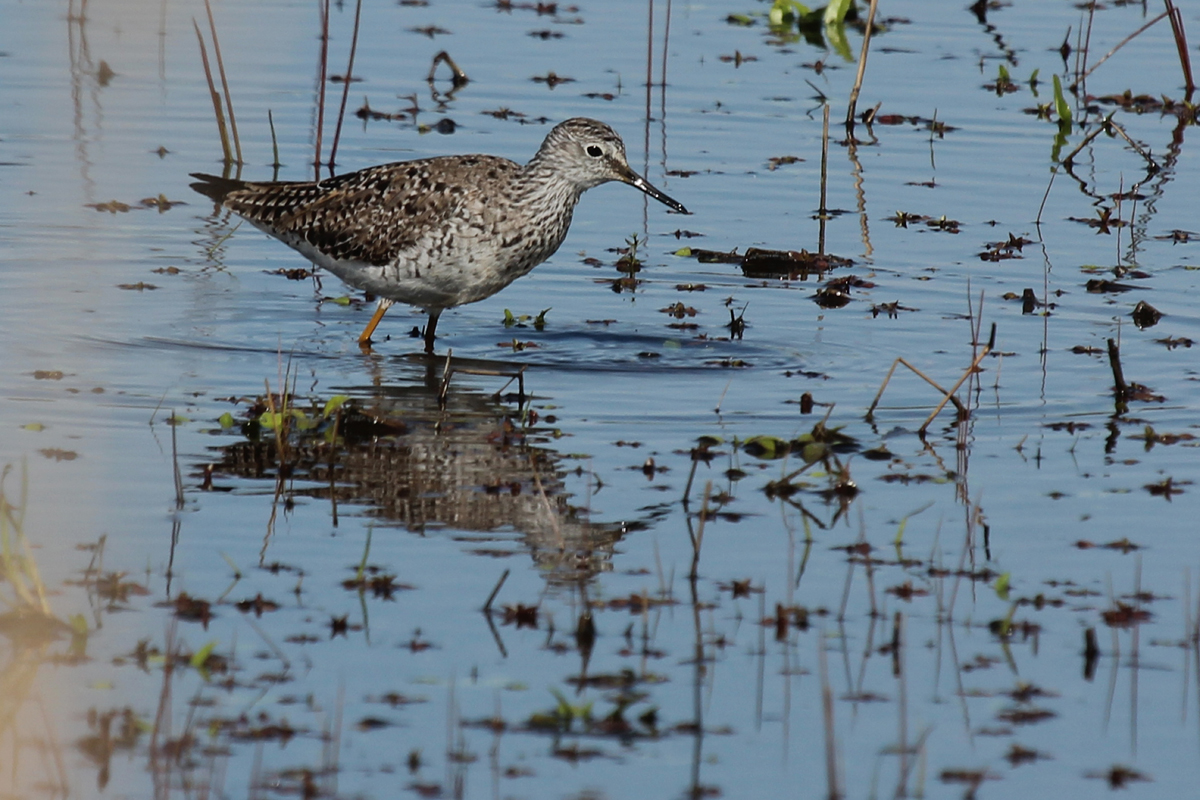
{"x": 541, "y": 188}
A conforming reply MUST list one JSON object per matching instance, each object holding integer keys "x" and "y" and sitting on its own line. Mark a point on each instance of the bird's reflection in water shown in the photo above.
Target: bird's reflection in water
{"x": 466, "y": 466}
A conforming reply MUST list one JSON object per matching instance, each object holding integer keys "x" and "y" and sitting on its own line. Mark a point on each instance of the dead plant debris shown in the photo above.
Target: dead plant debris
{"x": 1001, "y": 251}
{"x": 892, "y": 310}
{"x": 381, "y": 584}
{"x": 775, "y": 162}
{"x": 1123, "y": 545}
{"x": 737, "y": 59}
{"x": 1123, "y": 615}
{"x": 1152, "y": 437}
{"x": 521, "y": 615}
{"x": 679, "y": 311}
{"x": 552, "y": 79}
{"x": 1145, "y": 315}
{"x": 1025, "y": 715}
{"x": 430, "y": 31}
{"x": 294, "y": 274}
{"x": 258, "y": 604}
{"x": 111, "y": 206}
{"x": 1118, "y": 776}
{"x": 1166, "y": 488}
{"x": 1179, "y": 237}
{"x": 192, "y": 609}
{"x": 1018, "y": 755}
{"x": 1099, "y": 286}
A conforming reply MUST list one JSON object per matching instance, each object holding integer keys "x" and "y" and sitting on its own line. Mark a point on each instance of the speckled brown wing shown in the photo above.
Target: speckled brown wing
{"x": 370, "y": 216}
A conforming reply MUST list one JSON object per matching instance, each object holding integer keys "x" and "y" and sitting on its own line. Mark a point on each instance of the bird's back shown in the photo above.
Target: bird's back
{"x": 371, "y": 215}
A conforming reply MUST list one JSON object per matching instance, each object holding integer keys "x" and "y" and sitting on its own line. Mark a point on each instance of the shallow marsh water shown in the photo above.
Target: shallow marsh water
{"x": 319, "y": 688}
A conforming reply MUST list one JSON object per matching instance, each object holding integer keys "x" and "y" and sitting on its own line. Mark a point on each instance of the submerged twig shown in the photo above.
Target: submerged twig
{"x": 1120, "y": 387}
{"x": 458, "y": 77}
{"x": 179, "y": 501}
{"x": 831, "y": 772}
{"x": 950, "y": 394}
{"x": 918, "y": 373}
{"x": 495, "y": 591}
{"x": 698, "y": 538}
{"x": 1110, "y": 126}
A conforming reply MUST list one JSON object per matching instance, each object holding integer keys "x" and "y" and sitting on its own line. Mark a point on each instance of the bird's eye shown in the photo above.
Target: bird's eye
{"x": 594, "y": 151}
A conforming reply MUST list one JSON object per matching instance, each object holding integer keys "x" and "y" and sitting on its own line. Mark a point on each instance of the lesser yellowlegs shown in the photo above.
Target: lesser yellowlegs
{"x": 437, "y": 232}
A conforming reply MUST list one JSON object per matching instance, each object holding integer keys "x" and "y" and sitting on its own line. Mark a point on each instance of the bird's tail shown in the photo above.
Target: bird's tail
{"x": 214, "y": 187}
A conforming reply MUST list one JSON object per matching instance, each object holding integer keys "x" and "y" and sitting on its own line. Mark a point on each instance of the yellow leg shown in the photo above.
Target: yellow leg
{"x": 380, "y": 310}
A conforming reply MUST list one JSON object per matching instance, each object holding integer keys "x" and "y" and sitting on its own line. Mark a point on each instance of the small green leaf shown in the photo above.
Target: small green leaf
{"x": 835, "y": 34}
{"x": 199, "y": 658}
{"x": 1060, "y": 140}
{"x": 344, "y": 300}
{"x": 814, "y": 452}
{"x": 1002, "y": 585}
{"x": 509, "y": 319}
{"x": 686, "y": 252}
{"x": 33, "y": 426}
{"x": 835, "y": 12}
{"x": 303, "y": 421}
{"x": 333, "y": 404}
{"x": 1061, "y": 106}
{"x": 539, "y": 322}
{"x": 785, "y": 11}
{"x": 1004, "y": 78}
{"x": 766, "y": 447}
{"x": 226, "y": 420}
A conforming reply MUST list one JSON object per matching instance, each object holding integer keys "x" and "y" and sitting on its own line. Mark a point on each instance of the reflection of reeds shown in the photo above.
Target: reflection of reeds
{"x": 28, "y": 623}
{"x": 1176, "y": 19}
{"x": 16, "y": 561}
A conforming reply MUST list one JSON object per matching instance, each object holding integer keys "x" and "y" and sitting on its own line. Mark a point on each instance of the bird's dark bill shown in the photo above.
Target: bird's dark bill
{"x": 633, "y": 179}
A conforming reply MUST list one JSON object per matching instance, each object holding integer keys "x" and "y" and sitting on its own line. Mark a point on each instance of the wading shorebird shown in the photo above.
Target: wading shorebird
{"x": 437, "y": 232}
